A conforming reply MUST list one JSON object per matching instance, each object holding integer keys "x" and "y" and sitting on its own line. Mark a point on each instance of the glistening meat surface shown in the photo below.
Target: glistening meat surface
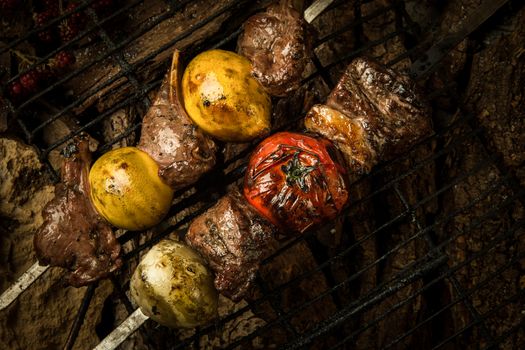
{"x": 73, "y": 235}
{"x": 381, "y": 114}
{"x": 278, "y": 43}
{"x": 234, "y": 239}
{"x": 182, "y": 151}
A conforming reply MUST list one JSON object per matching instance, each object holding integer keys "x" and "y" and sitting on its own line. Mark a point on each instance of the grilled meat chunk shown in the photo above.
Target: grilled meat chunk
{"x": 234, "y": 239}
{"x": 73, "y": 235}
{"x": 278, "y": 43}
{"x": 182, "y": 151}
{"x": 385, "y": 103}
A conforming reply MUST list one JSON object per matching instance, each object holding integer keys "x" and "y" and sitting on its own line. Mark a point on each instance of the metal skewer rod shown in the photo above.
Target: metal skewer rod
{"x": 21, "y": 284}
{"x": 316, "y": 9}
{"x": 124, "y": 330}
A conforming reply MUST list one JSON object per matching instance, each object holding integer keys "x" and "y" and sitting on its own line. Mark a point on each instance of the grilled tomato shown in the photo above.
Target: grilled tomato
{"x": 223, "y": 98}
{"x": 127, "y": 191}
{"x": 173, "y": 286}
{"x": 296, "y": 181}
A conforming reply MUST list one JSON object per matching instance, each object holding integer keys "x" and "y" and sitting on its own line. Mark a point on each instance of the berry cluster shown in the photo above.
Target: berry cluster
{"x": 70, "y": 27}
{"x": 50, "y": 37}
{"x": 9, "y": 5}
{"x": 31, "y": 81}
{"x": 47, "y": 10}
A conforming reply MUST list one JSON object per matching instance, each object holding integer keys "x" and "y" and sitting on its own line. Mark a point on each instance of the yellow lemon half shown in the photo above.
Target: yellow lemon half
{"x": 223, "y": 98}
{"x": 127, "y": 191}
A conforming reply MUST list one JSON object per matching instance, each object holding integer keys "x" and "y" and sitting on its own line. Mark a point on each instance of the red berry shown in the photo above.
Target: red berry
{"x": 30, "y": 80}
{"x": 76, "y": 18}
{"x": 64, "y": 59}
{"x": 42, "y": 18}
{"x": 16, "y": 90}
{"x": 8, "y": 5}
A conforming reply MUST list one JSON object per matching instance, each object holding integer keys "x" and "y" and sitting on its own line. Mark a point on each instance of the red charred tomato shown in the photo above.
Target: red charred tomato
{"x": 296, "y": 181}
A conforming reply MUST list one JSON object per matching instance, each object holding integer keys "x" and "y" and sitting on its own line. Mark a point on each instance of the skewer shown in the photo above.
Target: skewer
{"x": 137, "y": 318}
{"x": 316, "y": 9}
{"x": 36, "y": 270}
{"x": 21, "y": 284}
{"x": 124, "y": 330}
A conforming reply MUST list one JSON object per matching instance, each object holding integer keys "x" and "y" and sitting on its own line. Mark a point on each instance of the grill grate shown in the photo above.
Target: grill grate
{"x": 386, "y": 194}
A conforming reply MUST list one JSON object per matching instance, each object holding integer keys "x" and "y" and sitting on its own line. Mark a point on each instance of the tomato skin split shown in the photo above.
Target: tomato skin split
{"x": 296, "y": 181}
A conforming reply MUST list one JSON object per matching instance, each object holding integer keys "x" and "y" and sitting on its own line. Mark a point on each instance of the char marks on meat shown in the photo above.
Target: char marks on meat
{"x": 234, "y": 238}
{"x": 182, "y": 151}
{"x": 278, "y": 43}
{"x": 73, "y": 235}
{"x": 382, "y": 105}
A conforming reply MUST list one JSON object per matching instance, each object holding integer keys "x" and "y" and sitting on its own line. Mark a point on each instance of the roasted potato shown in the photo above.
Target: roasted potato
{"x": 173, "y": 286}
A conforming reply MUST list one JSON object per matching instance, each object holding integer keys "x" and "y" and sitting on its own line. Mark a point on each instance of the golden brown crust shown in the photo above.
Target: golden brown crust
{"x": 349, "y": 135}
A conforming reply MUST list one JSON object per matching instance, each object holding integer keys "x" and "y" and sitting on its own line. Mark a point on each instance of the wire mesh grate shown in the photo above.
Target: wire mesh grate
{"x": 358, "y": 293}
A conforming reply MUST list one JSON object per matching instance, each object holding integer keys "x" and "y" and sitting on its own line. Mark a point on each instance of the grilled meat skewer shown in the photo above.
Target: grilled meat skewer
{"x": 373, "y": 113}
{"x": 234, "y": 237}
{"x": 183, "y": 153}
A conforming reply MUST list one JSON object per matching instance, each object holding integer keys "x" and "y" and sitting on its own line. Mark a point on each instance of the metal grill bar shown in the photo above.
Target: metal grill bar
{"x": 345, "y": 313}
{"x": 455, "y": 283}
{"x": 81, "y": 314}
{"x": 430, "y": 254}
{"x": 483, "y": 317}
{"x": 443, "y": 276}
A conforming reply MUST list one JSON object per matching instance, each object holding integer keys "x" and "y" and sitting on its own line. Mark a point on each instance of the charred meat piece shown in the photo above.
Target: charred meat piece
{"x": 387, "y": 103}
{"x": 278, "y": 43}
{"x": 182, "y": 151}
{"x": 73, "y": 235}
{"x": 234, "y": 239}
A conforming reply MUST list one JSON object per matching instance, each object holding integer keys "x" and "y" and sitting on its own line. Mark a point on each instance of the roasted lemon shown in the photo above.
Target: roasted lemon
{"x": 127, "y": 191}
{"x": 223, "y": 98}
